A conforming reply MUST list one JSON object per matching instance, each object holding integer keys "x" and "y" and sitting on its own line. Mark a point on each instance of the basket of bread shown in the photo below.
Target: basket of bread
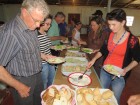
{"x": 58, "y": 95}
{"x": 95, "y": 96}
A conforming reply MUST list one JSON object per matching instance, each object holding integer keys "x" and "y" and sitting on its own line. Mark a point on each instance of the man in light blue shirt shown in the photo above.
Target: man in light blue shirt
{"x": 54, "y": 32}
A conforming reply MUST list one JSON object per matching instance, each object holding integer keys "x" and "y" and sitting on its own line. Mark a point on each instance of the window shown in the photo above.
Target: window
{"x": 130, "y": 20}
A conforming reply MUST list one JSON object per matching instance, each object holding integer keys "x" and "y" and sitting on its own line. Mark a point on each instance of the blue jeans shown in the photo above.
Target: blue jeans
{"x": 48, "y": 74}
{"x": 117, "y": 84}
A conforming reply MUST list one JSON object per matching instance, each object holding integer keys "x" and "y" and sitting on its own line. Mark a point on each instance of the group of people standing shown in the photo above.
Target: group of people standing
{"x": 25, "y": 48}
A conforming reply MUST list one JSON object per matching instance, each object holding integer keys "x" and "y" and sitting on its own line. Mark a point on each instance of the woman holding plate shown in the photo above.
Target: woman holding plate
{"x": 96, "y": 37}
{"x": 121, "y": 50}
{"x": 48, "y": 70}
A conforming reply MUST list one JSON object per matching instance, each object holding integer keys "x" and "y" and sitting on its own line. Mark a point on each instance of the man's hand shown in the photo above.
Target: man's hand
{"x": 23, "y": 90}
{"x": 63, "y": 38}
{"x": 134, "y": 100}
{"x": 50, "y": 56}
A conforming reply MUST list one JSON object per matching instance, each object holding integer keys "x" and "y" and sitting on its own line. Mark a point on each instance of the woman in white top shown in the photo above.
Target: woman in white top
{"x": 76, "y": 41}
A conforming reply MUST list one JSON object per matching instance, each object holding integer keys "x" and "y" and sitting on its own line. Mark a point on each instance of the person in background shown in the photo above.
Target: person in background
{"x": 134, "y": 100}
{"x": 96, "y": 38}
{"x": 48, "y": 70}
{"x": 126, "y": 58}
{"x": 20, "y": 61}
{"x": 63, "y": 27}
{"x": 71, "y": 27}
{"x": 98, "y": 13}
{"x": 54, "y": 32}
{"x": 76, "y": 40}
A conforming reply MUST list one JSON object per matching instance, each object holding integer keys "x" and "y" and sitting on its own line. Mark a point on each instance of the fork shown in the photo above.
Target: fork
{"x": 81, "y": 76}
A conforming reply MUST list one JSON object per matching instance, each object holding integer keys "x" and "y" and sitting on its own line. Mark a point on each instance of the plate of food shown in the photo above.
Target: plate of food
{"x": 95, "y": 96}
{"x": 56, "y": 60}
{"x": 87, "y": 50}
{"x": 75, "y": 82}
{"x": 115, "y": 70}
{"x": 68, "y": 68}
{"x": 58, "y": 95}
{"x": 58, "y": 47}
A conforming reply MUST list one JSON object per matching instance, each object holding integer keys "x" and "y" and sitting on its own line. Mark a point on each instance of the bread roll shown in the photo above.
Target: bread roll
{"x": 49, "y": 94}
{"x": 107, "y": 94}
{"x": 92, "y": 102}
{"x": 82, "y": 90}
{"x": 96, "y": 91}
{"x": 63, "y": 101}
{"x": 98, "y": 98}
{"x": 89, "y": 97}
{"x": 79, "y": 97}
{"x": 56, "y": 102}
{"x": 103, "y": 103}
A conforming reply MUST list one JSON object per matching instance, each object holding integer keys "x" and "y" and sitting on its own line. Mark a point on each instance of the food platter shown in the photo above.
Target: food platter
{"x": 75, "y": 54}
{"x": 68, "y": 68}
{"x": 113, "y": 70}
{"x": 58, "y": 47}
{"x": 64, "y": 95}
{"x": 95, "y": 96}
{"x": 58, "y": 95}
{"x": 56, "y": 60}
{"x": 77, "y": 60}
{"x": 87, "y": 50}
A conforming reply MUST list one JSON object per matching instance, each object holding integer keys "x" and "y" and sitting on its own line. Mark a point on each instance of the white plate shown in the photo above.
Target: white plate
{"x": 113, "y": 70}
{"x": 75, "y": 82}
{"x": 56, "y": 60}
{"x": 66, "y": 72}
{"x": 112, "y": 99}
{"x": 87, "y": 50}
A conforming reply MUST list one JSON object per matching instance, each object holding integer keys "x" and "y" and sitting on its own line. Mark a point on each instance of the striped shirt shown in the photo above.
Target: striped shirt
{"x": 19, "y": 48}
{"x": 45, "y": 44}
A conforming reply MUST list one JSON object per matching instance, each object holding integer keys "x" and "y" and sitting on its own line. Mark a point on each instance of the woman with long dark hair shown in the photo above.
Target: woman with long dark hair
{"x": 121, "y": 50}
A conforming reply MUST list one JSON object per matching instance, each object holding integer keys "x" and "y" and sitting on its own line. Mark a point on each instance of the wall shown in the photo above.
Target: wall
{"x": 9, "y": 11}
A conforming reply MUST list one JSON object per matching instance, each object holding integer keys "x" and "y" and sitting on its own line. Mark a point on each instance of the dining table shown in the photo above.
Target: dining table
{"x": 61, "y": 79}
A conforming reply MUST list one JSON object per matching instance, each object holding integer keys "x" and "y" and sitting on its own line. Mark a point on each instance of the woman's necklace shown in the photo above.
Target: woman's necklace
{"x": 116, "y": 43}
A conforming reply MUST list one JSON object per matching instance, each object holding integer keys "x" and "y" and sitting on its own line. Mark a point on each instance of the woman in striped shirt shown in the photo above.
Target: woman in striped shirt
{"x": 48, "y": 70}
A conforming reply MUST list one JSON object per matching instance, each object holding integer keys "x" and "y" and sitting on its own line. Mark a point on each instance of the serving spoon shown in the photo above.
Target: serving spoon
{"x": 81, "y": 76}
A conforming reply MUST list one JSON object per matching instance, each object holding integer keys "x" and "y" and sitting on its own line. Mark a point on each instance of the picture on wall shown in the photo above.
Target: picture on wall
{"x": 73, "y": 15}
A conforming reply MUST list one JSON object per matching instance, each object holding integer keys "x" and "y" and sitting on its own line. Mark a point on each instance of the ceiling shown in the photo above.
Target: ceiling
{"x": 135, "y": 4}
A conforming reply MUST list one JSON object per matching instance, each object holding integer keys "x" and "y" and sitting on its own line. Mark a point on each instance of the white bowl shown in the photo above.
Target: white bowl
{"x": 84, "y": 82}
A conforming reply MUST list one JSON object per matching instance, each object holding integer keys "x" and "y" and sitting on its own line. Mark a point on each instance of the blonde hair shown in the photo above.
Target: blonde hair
{"x": 41, "y": 5}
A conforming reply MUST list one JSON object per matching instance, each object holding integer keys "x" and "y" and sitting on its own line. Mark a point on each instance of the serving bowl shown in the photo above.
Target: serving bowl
{"x": 75, "y": 82}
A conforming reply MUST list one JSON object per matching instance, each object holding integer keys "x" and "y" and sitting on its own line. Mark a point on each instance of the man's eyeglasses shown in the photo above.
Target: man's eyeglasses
{"x": 35, "y": 21}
